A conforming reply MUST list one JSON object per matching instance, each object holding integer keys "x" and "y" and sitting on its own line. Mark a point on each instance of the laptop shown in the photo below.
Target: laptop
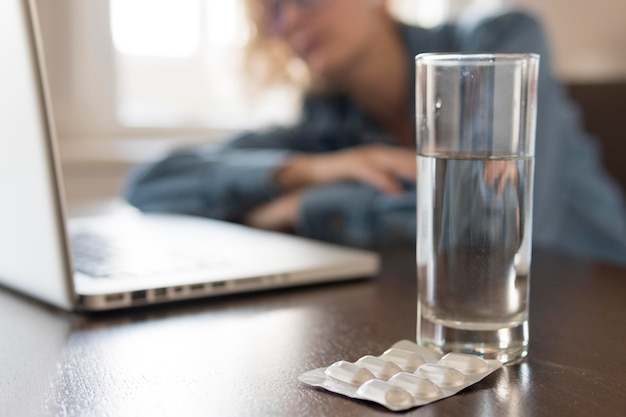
{"x": 130, "y": 259}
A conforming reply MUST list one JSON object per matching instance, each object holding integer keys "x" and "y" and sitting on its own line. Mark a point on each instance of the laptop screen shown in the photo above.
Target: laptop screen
{"x": 34, "y": 257}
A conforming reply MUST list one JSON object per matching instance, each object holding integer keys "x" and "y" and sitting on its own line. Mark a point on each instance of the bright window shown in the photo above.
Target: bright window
{"x": 423, "y": 12}
{"x": 155, "y": 27}
{"x": 178, "y": 63}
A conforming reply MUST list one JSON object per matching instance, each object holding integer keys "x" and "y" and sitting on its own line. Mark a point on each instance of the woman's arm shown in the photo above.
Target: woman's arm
{"x": 358, "y": 214}
{"x": 378, "y": 165}
{"x": 229, "y": 180}
{"x": 221, "y": 181}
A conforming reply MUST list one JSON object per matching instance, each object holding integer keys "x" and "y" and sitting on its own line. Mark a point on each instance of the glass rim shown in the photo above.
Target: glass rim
{"x": 474, "y": 58}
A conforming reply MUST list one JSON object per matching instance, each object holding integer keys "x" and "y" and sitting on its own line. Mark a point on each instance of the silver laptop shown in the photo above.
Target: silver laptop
{"x": 130, "y": 259}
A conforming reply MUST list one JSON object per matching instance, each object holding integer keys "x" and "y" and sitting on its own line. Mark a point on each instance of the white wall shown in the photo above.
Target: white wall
{"x": 80, "y": 70}
{"x": 588, "y": 37}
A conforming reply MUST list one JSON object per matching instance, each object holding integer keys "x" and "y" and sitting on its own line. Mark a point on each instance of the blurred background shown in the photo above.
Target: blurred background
{"x": 131, "y": 79}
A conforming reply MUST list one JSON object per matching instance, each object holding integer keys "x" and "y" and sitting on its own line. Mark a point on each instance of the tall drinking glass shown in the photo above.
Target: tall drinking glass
{"x": 475, "y": 159}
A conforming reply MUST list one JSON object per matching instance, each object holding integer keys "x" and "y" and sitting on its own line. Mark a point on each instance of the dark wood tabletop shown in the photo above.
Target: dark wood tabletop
{"x": 241, "y": 355}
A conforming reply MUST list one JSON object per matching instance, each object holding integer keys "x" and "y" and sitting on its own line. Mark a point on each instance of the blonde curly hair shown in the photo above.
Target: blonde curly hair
{"x": 268, "y": 60}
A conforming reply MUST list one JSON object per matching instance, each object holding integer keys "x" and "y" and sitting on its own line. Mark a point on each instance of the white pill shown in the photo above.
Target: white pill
{"x": 416, "y": 386}
{"x": 380, "y": 368}
{"x": 386, "y": 394}
{"x": 349, "y": 373}
{"x": 443, "y": 376}
{"x": 406, "y": 360}
{"x": 468, "y": 364}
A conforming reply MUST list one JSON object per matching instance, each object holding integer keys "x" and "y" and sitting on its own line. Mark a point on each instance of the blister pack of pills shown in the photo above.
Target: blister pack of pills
{"x": 404, "y": 376}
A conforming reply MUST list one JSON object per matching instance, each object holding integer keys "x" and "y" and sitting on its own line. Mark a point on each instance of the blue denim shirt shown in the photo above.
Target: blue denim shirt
{"x": 577, "y": 207}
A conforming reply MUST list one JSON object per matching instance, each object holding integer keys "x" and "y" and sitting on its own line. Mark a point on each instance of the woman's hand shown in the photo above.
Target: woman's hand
{"x": 499, "y": 173}
{"x": 378, "y": 165}
{"x": 279, "y": 215}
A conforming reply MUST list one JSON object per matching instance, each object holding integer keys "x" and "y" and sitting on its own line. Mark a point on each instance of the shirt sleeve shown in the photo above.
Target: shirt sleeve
{"x": 225, "y": 181}
{"x": 357, "y": 214}
{"x": 577, "y": 206}
{"x": 221, "y": 181}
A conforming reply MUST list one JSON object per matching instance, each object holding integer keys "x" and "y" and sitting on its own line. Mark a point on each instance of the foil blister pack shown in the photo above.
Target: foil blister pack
{"x": 404, "y": 376}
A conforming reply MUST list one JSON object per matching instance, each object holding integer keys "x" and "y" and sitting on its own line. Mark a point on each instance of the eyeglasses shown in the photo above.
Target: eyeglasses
{"x": 274, "y": 8}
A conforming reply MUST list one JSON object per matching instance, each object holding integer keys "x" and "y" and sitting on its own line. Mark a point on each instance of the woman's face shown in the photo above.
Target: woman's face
{"x": 329, "y": 35}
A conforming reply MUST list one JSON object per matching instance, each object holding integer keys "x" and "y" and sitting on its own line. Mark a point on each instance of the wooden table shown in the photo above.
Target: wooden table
{"x": 241, "y": 355}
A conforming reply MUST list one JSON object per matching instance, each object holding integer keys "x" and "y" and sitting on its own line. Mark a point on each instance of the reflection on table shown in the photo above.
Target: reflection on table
{"x": 241, "y": 355}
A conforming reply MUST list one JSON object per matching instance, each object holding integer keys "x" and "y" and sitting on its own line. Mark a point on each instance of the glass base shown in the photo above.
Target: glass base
{"x": 509, "y": 344}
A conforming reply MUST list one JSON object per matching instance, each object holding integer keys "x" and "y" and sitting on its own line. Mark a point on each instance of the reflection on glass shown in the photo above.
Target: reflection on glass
{"x": 478, "y": 233}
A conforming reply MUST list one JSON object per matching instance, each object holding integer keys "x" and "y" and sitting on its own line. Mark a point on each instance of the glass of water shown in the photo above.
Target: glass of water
{"x": 475, "y": 159}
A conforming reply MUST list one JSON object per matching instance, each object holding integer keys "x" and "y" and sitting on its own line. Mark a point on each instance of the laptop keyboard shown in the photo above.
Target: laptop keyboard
{"x": 103, "y": 256}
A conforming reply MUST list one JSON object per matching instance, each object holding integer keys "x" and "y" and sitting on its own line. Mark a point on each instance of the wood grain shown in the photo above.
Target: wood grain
{"x": 241, "y": 355}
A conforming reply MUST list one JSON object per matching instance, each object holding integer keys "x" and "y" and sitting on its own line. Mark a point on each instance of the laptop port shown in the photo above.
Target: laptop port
{"x": 249, "y": 281}
{"x": 160, "y": 292}
{"x": 196, "y": 287}
{"x": 218, "y": 284}
{"x": 113, "y": 298}
{"x": 139, "y": 295}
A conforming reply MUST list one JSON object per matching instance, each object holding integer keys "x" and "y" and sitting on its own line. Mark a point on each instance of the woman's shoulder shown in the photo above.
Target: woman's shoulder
{"x": 499, "y": 19}
{"x": 419, "y": 39}
{"x": 503, "y": 29}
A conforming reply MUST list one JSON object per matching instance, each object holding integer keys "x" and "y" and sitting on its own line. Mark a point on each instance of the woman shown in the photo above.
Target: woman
{"x": 345, "y": 172}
